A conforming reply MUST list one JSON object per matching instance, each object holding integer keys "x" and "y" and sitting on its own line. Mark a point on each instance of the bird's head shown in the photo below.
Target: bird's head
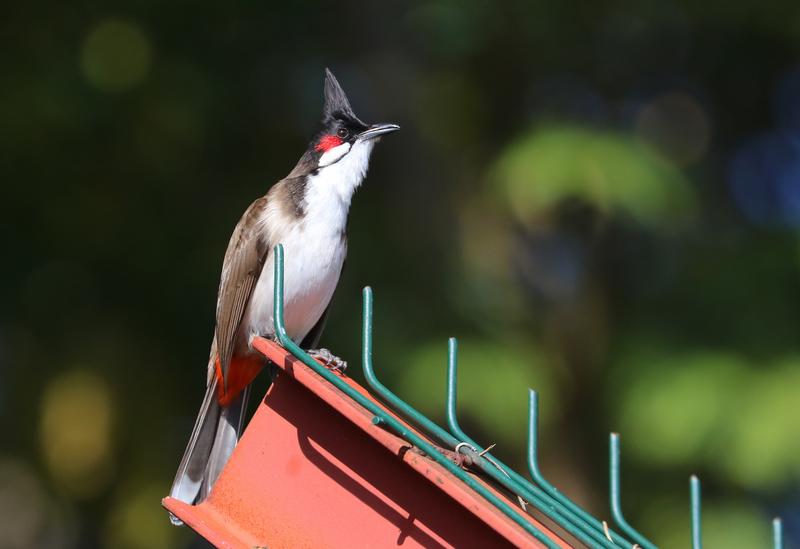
{"x": 344, "y": 137}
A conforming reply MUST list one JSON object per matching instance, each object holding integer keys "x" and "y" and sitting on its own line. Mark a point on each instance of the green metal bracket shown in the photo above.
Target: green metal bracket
{"x": 542, "y": 495}
{"x": 575, "y": 523}
{"x": 697, "y": 534}
{"x": 616, "y": 498}
{"x": 446, "y": 439}
{"x": 536, "y": 474}
{"x": 382, "y": 417}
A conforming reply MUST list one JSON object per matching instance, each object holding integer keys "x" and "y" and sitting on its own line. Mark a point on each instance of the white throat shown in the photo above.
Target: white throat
{"x": 341, "y": 171}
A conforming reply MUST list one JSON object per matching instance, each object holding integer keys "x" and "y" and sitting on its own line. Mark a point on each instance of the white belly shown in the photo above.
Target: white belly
{"x": 313, "y": 257}
{"x": 314, "y": 248}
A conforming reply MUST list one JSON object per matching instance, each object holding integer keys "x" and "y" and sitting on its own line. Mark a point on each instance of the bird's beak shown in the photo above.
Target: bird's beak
{"x": 376, "y": 130}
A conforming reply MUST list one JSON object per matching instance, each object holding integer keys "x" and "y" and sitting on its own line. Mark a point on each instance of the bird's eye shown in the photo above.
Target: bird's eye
{"x": 343, "y": 133}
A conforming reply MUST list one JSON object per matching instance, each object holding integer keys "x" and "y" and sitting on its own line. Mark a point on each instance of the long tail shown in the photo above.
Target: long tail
{"x": 215, "y": 434}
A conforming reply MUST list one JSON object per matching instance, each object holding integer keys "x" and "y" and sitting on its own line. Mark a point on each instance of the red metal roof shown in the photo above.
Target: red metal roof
{"x": 312, "y": 470}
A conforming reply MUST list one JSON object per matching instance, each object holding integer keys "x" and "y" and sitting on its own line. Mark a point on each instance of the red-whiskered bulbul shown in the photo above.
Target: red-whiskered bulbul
{"x": 307, "y": 213}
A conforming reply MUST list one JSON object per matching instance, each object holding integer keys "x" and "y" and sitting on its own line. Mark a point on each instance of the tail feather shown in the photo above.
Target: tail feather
{"x": 229, "y": 429}
{"x": 214, "y": 436}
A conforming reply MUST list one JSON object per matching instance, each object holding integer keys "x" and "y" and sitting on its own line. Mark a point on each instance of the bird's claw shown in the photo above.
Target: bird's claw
{"x": 328, "y": 359}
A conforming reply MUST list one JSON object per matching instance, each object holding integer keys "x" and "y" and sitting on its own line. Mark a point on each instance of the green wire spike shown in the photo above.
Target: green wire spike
{"x": 449, "y": 441}
{"x": 381, "y": 416}
{"x": 616, "y": 498}
{"x": 697, "y": 534}
{"x": 542, "y": 495}
{"x": 777, "y": 533}
{"x": 571, "y": 522}
{"x": 536, "y": 474}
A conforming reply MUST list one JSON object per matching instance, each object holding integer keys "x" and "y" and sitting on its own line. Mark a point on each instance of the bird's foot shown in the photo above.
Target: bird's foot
{"x": 328, "y": 359}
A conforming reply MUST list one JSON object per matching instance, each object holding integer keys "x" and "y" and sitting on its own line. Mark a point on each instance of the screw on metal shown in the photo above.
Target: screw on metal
{"x": 570, "y": 521}
{"x": 384, "y": 418}
{"x": 616, "y": 498}
{"x": 536, "y": 474}
{"x": 777, "y": 533}
{"x": 694, "y": 489}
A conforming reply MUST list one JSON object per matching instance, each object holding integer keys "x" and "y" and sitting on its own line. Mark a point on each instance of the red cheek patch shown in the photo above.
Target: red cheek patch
{"x": 327, "y": 143}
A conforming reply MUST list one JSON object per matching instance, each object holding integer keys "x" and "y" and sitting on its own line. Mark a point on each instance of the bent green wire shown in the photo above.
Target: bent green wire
{"x": 447, "y": 440}
{"x": 385, "y": 418}
{"x": 536, "y": 473}
{"x": 597, "y": 534}
{"x": 615, "y": 497}
{"x": 777, "y": 533}
{"x": 694, "y": 490}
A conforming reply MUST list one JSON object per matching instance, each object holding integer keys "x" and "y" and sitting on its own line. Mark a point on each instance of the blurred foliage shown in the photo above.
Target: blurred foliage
{"x": 601, "y": 200}
{"x": 614, "y": 173}
{"x": 75, "y": 432}
{"x": 725, "y": 524}
{"x": 483, "y": 393}
{"x": 713, "y": 388}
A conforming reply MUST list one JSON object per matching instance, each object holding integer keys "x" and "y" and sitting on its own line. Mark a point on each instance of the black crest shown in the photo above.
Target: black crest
{"x": 336, "y": 103}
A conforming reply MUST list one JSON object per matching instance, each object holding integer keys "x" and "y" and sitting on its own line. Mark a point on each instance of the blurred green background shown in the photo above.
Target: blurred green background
{"x": 600, "y": 199}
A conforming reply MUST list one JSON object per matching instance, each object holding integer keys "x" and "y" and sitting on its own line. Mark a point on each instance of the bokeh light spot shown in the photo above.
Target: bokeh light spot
{"x": 137, "y": 521}
{"x": 451, "y": 28}
{"x": 610, "y": 171}
{"x": 677, "y": 126}
{"x": 764, "y": 178}
{"x": 764, "y": 452}
{"x": 674, "y": 411}
{"x": 22, "y": 512}
{"x": 75, "y": 432}
{"x": 116, "y": 55}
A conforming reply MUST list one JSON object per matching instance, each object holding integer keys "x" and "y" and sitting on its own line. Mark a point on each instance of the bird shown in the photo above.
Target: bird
{"x": 307, "y": 213}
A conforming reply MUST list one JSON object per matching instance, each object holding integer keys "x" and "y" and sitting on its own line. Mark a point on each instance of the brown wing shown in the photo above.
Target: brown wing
{"x": 244, "y": 259}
